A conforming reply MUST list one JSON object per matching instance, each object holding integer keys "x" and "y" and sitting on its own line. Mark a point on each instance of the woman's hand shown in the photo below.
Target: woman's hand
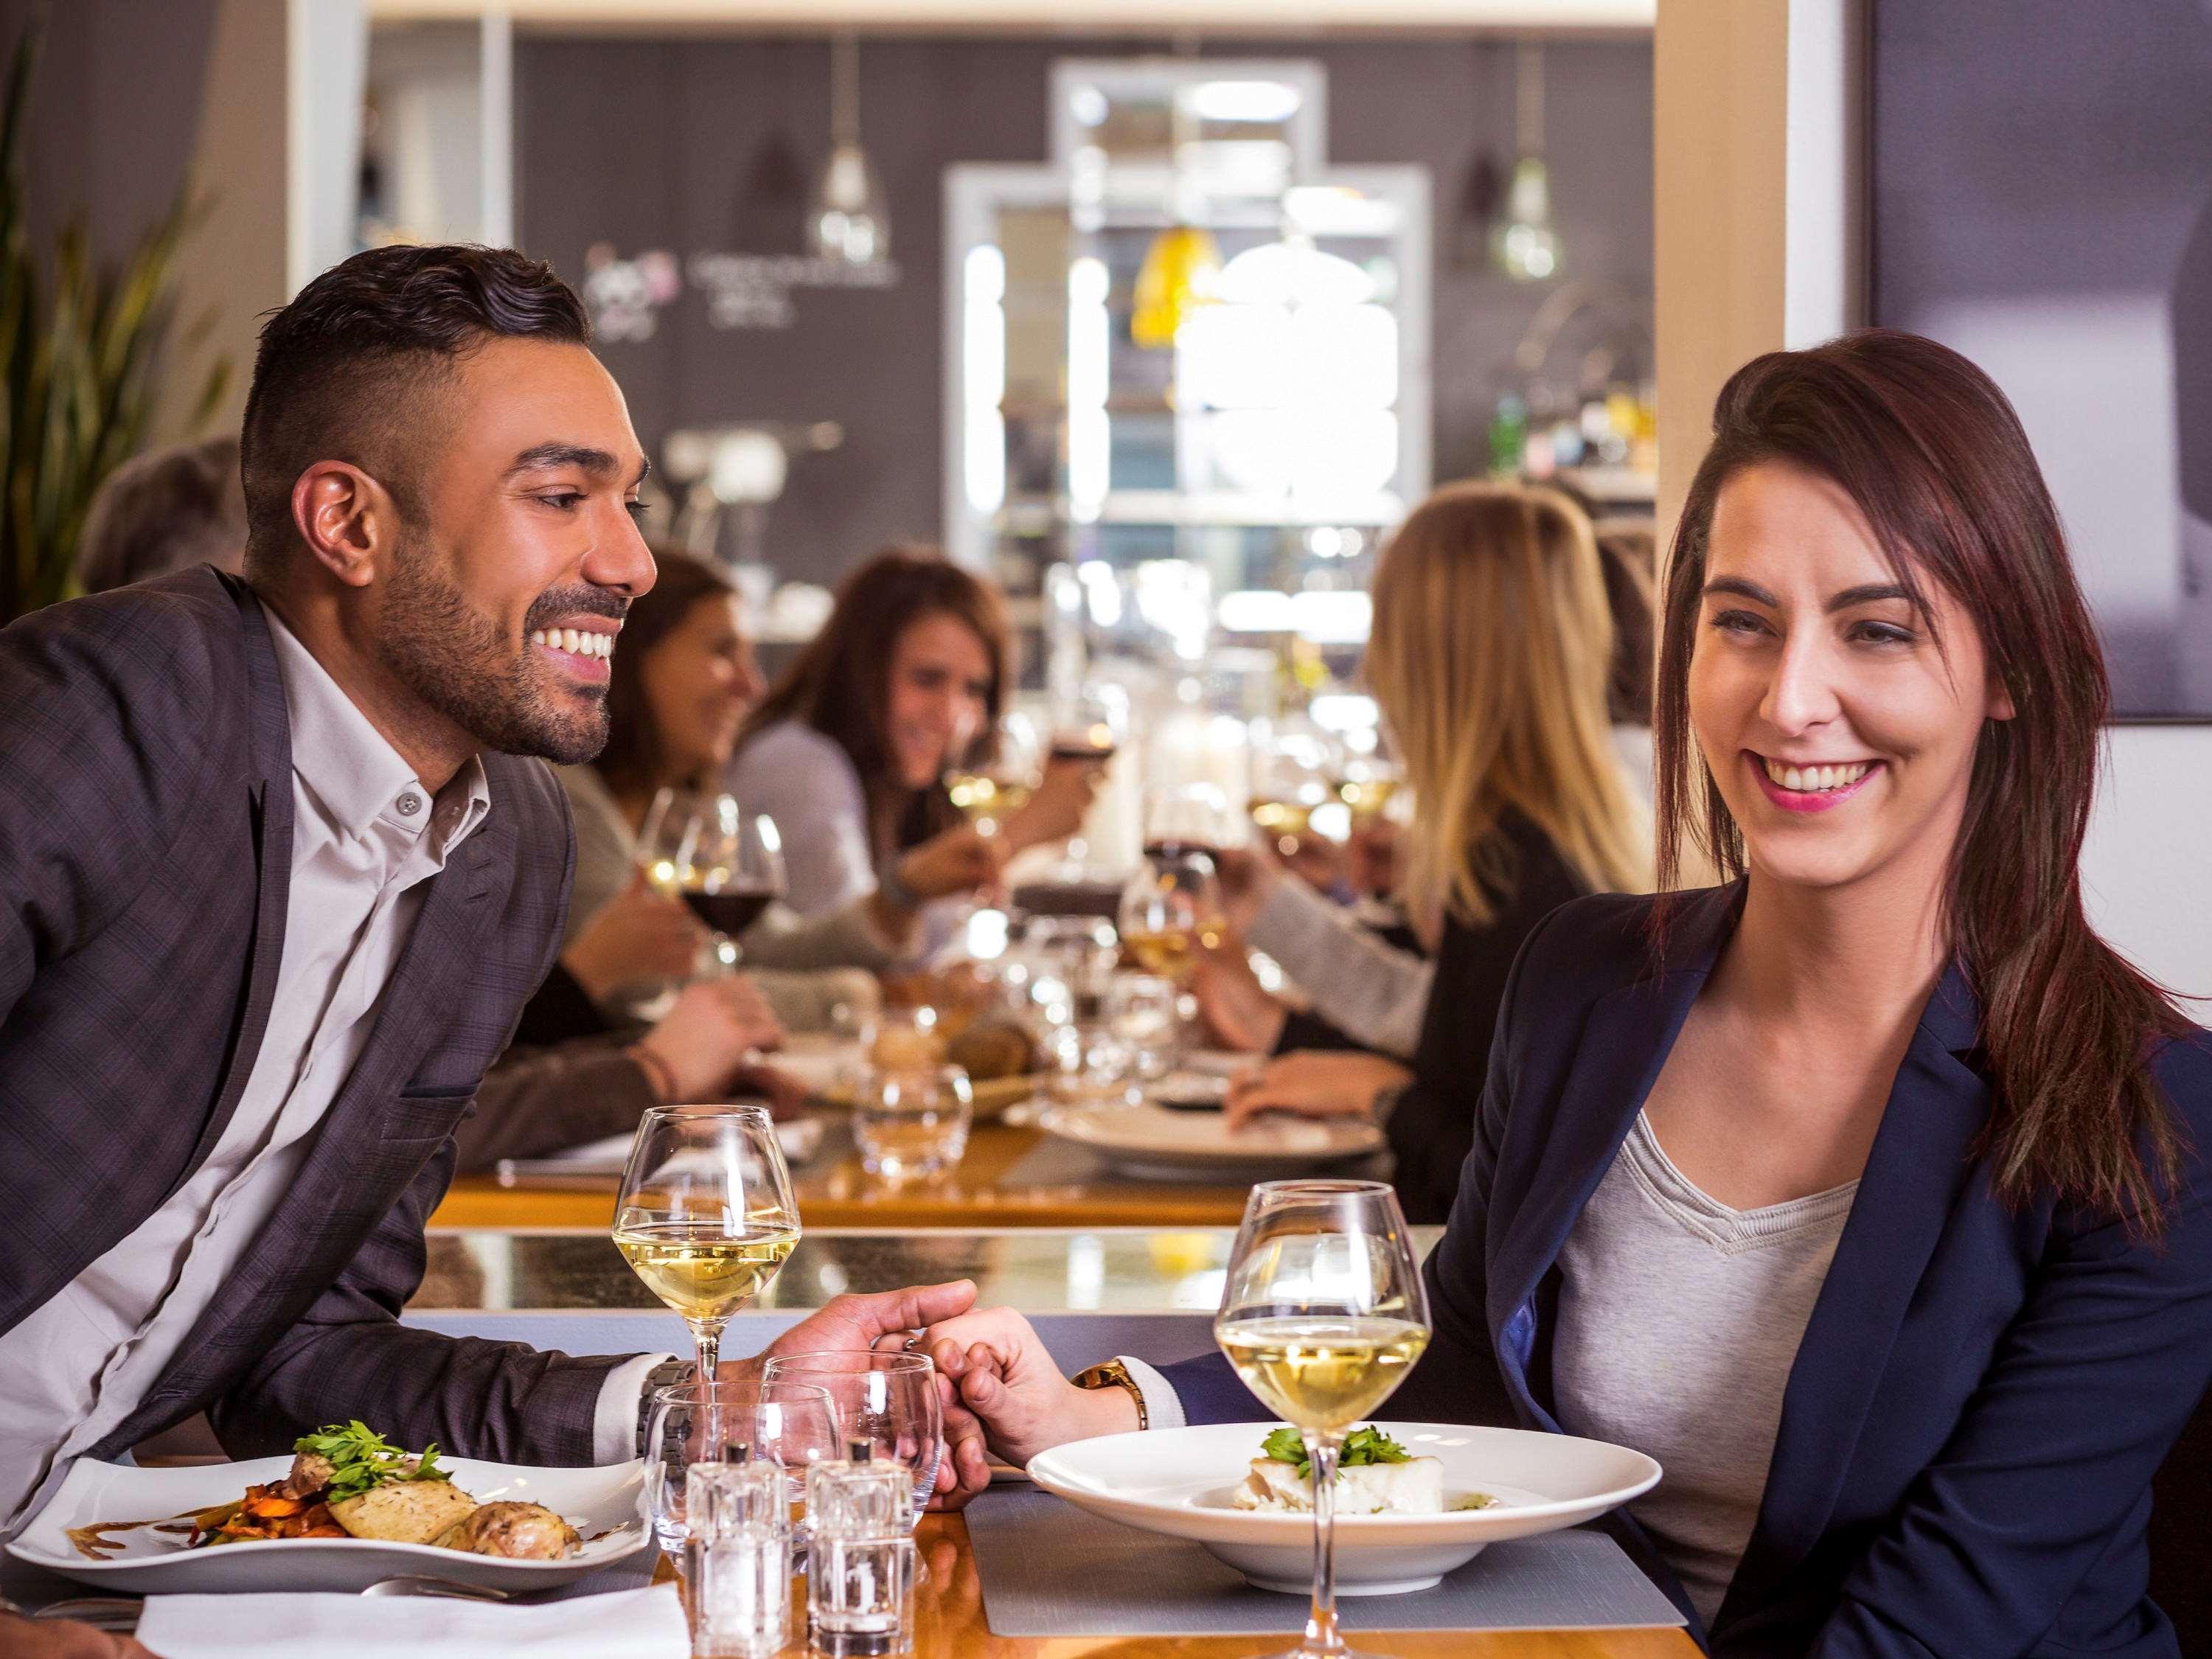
{"x": 1058, "y": 808}
{"x": 1004, "y": 1376}
{"x": 1314, "y": 1083}
{"x": 855, "y": 1324}
{"x": 786, "y": 1094}
{"x": 715, "y": 1028}
{"x": 1239, "y": 1012}
{"x": 1246, "y": 877}
{"x": 955, "y": 860}
{"x": 641, "y": 935}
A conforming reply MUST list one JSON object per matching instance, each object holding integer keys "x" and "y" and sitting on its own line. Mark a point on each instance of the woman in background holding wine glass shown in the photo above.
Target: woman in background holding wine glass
{"x": 683, "y": 677}
{"x": 851, "y": 751}
{"x": 1489, "y": 658}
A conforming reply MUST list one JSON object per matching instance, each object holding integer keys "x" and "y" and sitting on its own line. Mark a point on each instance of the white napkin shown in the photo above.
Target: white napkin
{"x": 800, "y": 1138}
{"x": 640, "y": 1624}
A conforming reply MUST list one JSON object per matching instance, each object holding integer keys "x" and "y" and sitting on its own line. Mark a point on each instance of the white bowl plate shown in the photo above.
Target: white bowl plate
{"x": 1153, "y": 1140}
{"x": 605, "y": 1506}
{"x": 1178, "y": 1482}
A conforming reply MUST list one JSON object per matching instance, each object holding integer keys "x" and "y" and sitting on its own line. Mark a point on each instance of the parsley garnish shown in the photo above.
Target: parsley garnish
{"x": 1361, "y": 1446}
{"x": 362, "y": 1460}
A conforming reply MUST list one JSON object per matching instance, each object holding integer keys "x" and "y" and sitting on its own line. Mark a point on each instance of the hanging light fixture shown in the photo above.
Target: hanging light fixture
{"x": 1526, "y": 247}
{"x": 851, "y": 222}
{"x": 1183, "y": 262}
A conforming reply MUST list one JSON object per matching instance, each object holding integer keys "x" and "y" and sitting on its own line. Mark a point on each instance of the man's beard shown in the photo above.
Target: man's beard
{"x": 460, "y": 664}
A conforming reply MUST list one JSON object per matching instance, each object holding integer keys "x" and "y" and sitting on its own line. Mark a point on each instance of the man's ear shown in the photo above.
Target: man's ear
{"x": 349, "y": 521}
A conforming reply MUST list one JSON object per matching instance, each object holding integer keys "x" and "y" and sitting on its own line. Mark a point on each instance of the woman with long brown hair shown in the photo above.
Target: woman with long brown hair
{"x": 1867, "y": 1192}
{"x": 849, "y": 750}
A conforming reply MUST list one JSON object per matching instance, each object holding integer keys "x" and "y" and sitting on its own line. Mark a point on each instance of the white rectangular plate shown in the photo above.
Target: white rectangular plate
{"x": 605, "y": 1506}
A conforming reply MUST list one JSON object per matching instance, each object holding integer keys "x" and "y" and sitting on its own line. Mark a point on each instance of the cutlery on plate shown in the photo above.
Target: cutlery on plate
{"x": 118, "y": 1613}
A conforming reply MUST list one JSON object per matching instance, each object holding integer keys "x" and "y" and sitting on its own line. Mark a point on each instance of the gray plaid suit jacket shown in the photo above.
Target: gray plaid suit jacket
{"x": 145, "y": 860}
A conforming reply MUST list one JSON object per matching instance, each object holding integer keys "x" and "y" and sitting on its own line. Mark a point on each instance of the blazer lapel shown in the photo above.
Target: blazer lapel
{"x": 1625, "y": 1042}
{"x": 328, "y": 1210}
{"x": 272, "y": 790}
{"x": 1920, "y": 1160}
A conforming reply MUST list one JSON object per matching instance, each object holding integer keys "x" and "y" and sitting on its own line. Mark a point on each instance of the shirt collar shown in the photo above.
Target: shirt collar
{"x": 358, "y": 777}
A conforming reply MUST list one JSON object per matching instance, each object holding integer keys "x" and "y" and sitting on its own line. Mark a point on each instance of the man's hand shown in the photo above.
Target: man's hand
{"x": 1314, "y": 1083}
{"x": 64, "y": 1638}
{"x": 854, "y": 1324}
{"x": 1004, "y": 1376}
{"x": 955, "y": 860}
{"x": 641, "y": 935}
{"x": 715, "y": 1027}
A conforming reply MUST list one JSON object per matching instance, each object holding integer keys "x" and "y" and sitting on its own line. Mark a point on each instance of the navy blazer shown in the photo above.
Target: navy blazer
{"x": 1969, "y": 1431}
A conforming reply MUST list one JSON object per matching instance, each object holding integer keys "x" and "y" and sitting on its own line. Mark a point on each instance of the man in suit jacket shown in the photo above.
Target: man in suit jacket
{"x": 276, "y": 874}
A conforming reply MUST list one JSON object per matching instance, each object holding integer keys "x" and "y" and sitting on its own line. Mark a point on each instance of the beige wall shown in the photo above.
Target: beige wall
{"x": 1761, "y": 243}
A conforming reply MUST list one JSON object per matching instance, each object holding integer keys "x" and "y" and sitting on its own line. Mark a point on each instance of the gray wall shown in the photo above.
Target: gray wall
{"x": 706, "y": 143}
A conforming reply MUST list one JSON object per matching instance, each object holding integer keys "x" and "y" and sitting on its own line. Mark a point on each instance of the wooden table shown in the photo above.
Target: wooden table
{"x": 949, "y": 1625}
{"x": 838, "y": 1193}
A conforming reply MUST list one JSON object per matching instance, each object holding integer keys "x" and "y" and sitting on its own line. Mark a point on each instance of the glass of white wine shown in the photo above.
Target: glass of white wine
{"x": 706, "y": 1215}
{"x": 990, "y": 791}
{"x": 1322, "y": 1315}
{"x": 1171, "y": 911}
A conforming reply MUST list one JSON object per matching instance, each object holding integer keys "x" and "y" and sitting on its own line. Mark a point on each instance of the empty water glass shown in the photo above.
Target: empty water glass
{"x": 911, "y": 1125}
{"x": 888, "y": 1401}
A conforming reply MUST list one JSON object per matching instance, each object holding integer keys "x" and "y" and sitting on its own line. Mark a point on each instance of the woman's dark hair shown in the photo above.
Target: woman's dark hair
{"x": 1935, "y": 458}
{"x": 347, "y": 371}
{"x": 840, "y": 685}
{"x": 633, "y": 760}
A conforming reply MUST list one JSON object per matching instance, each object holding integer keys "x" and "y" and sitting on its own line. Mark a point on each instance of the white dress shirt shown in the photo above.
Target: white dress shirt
{"x": 367, "y": 837}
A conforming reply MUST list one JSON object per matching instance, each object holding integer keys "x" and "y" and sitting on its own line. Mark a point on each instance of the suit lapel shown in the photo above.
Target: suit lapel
{"x": 1919, "y": 1163}
{"x": 328, "y": 1209}
{"x": 1623, "y": 1043}
{"x": 271, "y": 791}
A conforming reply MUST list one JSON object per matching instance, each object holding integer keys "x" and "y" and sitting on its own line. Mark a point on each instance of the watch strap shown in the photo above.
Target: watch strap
{"x": 1113, "y": 1373}
{"x": 668, "y": 1373}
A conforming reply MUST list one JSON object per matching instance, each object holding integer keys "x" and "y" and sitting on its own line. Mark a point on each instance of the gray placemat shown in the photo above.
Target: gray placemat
{"x": 1050, "y": 1569}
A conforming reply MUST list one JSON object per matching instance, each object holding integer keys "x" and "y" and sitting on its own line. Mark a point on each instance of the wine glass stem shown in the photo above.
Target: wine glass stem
{"x": 708, "y": 1339}
{"x": 1321, "y": 1636}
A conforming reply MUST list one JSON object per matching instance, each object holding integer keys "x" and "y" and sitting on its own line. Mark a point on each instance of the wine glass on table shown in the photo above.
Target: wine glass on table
{"x": 723, "y": 863}
{"x": 706, "y": 1215}
{"x": 888, "y": 1400}
{"x": 1322, "y": 1315}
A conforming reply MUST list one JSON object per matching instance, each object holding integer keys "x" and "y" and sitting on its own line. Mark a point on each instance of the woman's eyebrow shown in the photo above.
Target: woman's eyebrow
{"x": 1741, "y": 589}
{"x": 1869, "y": 593}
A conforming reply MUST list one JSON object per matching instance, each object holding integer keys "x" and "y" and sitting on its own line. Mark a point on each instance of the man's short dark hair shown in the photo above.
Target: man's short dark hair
{"x": 349, "y": 371}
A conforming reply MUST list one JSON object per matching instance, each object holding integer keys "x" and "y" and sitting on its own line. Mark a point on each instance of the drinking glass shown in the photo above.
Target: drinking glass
{"x": 888, "y": 1400}
{"x": 1192, "y": 818}
{"x": 1322, "y": 1315}
{"x": 1147, "y": 1021}
{"x": 993, "y": 791}
{"x": 706, "y": 1215}
{"x": 791, "y": 1425}
{"x": 912, "y": 1123}
{"x": 1088, "y": 723}
{"x": 1170, "y": 910}
{"x": 725, "y": 864}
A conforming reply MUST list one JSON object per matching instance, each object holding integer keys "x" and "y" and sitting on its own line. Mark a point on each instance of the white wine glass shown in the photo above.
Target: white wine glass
{"x": 1171, "y": 910}
{"x": 1323, "y": 1314}
{"x": 998, "y": 786}
{"x": 706, "y": 1216}
{"x": 724, "y": 864}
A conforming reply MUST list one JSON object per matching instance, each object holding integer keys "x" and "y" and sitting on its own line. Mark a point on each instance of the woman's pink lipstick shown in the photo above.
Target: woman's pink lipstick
{"x": 1805, "y": 800}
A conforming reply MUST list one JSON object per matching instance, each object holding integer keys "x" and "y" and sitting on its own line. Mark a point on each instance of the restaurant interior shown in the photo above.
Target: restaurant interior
{"x": 1154, "y": 320}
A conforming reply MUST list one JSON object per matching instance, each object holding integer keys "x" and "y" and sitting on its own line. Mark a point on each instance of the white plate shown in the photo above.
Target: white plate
{"x": 1178, "y": 1482}
{"x": 1152, "y": 1140}
{"x": 604, "y": 1505}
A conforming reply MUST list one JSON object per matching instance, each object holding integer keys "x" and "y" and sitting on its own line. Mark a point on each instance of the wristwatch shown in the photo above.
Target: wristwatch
{"x": 1113, "y": 1373}
{"x": 666, "y": 1375}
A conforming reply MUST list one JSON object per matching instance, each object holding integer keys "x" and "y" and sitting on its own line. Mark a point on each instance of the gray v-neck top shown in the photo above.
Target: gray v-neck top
{"x": 1678, "y": 1320}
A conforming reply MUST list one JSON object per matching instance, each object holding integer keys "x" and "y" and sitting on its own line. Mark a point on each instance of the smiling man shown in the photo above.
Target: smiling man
{"x": 279, "y": 863}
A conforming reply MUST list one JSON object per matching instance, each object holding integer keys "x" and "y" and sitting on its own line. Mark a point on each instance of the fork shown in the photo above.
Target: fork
{"x": 115, "y": 1614}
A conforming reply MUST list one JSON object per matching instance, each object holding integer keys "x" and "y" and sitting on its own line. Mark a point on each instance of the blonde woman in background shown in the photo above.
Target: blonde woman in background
{"x": 1489, "y": 659}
